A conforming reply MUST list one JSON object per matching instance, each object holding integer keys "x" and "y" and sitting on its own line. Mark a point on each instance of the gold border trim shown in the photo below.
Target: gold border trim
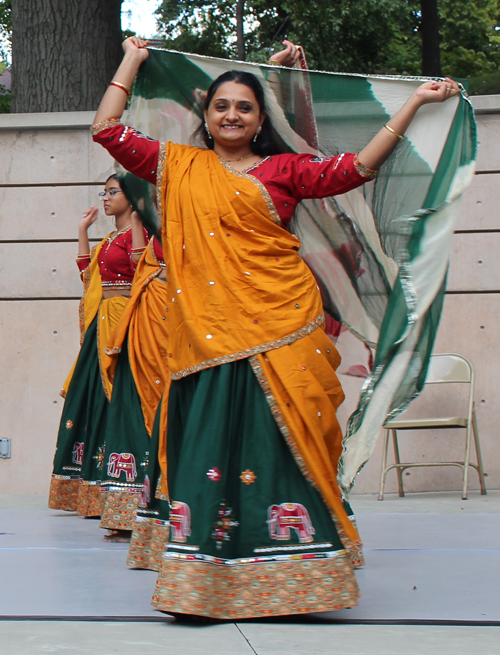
{"x": 265, "y": 193}
{"x": 255, "y": 350}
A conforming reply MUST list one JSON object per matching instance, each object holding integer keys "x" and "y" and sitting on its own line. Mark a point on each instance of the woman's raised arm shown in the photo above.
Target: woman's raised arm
{"x": 380, "y": 147}
{"x": 114, "y": 100}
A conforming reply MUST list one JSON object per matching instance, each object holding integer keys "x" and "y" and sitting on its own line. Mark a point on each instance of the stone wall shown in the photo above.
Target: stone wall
{"x": 50, "y": 172}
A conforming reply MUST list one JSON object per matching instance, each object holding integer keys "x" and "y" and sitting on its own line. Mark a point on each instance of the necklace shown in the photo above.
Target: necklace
{"x": 252, "y": 154}
{"x": 114, "y": 235}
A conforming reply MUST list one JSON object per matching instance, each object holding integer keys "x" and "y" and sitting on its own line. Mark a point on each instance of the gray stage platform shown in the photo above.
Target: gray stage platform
{"x": 428, "y": 558}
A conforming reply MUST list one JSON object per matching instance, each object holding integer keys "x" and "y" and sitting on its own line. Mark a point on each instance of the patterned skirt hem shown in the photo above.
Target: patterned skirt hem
{"x": 89, "y": 499}
{"x": 148, "y": 545}
{"x": 72, "y": 494}
{"x": 246, "y": 591}
{"x": 119, "y": 509}
{"x": 63, "y": 493}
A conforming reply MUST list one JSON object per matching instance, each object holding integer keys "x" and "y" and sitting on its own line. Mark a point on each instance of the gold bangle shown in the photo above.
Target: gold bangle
{"x": 120, "y": 86}
{"x": 388, "y": 127}
{"x": 273, "y": 63}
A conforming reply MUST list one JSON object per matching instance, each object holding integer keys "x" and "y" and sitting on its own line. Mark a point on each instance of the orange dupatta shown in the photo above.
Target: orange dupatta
{"x": 144, "y": 321}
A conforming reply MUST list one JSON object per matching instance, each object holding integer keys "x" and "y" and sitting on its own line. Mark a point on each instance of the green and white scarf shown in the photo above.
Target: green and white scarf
{"x": 380, "y": 253}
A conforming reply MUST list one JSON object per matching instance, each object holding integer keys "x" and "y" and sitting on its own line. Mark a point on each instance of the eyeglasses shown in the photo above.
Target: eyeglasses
{"x": 109, "y": 194}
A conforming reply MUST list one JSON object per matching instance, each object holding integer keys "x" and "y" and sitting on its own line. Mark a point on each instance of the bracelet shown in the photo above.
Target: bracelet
{"x": 120, "y": 86}
{"x": 388, "y": 127}
{"x": 83, "y": 257}
{"x": 273, "y": 63}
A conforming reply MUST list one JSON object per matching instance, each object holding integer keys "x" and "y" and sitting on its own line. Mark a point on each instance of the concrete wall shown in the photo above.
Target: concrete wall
{"x": 50, "y": 172}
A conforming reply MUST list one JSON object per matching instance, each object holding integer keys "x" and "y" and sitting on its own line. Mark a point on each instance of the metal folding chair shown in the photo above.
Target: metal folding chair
{"x": 446, "y": 368}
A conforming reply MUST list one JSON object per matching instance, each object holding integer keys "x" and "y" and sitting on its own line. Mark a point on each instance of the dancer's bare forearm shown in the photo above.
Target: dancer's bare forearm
{"x": 383, "y": 143}
{"x": 114, "y": 101}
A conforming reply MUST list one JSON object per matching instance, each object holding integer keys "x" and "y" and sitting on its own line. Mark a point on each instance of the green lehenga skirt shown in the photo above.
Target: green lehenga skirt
{"x": 78, "y": 462}
{"x": 249, "y": 535}
{"x": 127, "y": 453}
{"x": 151, "y": 527}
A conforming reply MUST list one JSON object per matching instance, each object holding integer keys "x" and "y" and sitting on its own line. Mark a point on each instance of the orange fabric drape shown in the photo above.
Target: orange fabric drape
{"x": 215, "y": 222}
{"x": 144, "y": 321}
{"x": 109, "y": 313}
{"x": 304, "y": 393}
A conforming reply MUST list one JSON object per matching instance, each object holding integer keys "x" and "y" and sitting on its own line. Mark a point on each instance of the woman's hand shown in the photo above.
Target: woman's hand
{"x": 380, "y": 147}
{"x": 115, "y": 99}
{"x": 288, "y": 56}
{"x": 89, "y": 217}
{"x": 135, "y": 46}
{"x": 436, "y": 91}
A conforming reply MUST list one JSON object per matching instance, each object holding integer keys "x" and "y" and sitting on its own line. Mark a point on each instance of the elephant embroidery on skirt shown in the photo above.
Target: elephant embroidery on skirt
{"x": 119, "y": 462}
{"x": 180, "y": 521}
{"x": 282, "y": 518}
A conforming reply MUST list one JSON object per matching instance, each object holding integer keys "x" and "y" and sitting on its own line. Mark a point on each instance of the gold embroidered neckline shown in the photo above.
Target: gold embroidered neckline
{"x": 114, "y": 235}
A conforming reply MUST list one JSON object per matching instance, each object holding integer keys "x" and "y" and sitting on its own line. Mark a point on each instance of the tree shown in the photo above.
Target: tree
{"x": 5, "y": 25}
{"x": 429, "y": 29}
{"x": 64, "y": 53}
{"x": 364, "y": 36}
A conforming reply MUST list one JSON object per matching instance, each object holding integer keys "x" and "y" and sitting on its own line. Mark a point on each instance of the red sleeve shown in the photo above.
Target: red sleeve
{"x": 291, "y": 178}
{"x": 83, "y": 263}
{"x": 134, "y": 151}
{"x": 307, "y": 176}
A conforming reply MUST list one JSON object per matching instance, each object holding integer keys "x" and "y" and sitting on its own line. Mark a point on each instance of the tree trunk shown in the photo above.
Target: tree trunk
{"x": 64, "y": 53}
{"x": 429, "y": 28}
{"x": 240, "y": 37}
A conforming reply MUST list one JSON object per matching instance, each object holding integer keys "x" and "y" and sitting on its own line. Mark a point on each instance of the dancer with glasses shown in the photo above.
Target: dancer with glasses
{"x": 107, "y": 271}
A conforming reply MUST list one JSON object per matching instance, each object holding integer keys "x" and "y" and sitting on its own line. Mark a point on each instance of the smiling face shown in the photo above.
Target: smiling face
{"x": 115, "y": 203}
{"x": 233, "y": 115}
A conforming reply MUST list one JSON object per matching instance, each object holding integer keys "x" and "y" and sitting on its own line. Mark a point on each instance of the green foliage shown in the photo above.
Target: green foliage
{"x": 4, "y": 101}
{"x": 5, "y": 25}
{"x": 365, "y": 36}
{"x": 471, "y": 44}
{"x": 127, "y": 33}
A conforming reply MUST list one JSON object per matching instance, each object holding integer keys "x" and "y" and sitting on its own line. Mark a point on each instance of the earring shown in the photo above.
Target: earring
{"x": 208, "y": 131}
{"x": 259, "y": 130}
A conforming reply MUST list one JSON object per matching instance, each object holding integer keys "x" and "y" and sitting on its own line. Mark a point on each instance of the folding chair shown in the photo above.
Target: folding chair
{"x": 447, "y": 368}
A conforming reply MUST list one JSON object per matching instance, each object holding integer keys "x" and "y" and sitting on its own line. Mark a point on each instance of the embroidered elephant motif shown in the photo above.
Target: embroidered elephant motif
{"x": 180, "y": 521}
{"x": 78, "y": 452}
{"x": 145, "y": 493}
{"x": 290, "y": 516}
{"x": 125, "y": 462}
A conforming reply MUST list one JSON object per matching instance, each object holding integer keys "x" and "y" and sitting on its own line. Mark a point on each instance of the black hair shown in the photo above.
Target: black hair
{"x": 268, "y": 141}
{"x": 114, "y": 176}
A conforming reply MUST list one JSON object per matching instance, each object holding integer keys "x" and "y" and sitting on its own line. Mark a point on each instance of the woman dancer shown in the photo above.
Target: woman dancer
{"x": 135, "y": 361}
{"x": 107, "y": 272}
{"x": 258, "y": 526}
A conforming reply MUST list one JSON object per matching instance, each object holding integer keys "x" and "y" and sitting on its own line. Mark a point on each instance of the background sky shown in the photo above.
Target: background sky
{"x": 138, "y": 15}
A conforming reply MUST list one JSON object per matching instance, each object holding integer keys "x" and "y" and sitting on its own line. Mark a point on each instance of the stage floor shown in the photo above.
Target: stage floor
{"x": 429, "y": 558}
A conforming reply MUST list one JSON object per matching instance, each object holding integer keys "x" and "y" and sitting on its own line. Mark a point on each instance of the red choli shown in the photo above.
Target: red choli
{"x": 116, "y": 266}
{"x": 288, "y": 178}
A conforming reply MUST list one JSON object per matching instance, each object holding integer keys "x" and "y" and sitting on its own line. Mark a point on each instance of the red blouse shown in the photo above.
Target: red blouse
{"x": 288, "y": 178}
{"x": 116, "y": 266}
